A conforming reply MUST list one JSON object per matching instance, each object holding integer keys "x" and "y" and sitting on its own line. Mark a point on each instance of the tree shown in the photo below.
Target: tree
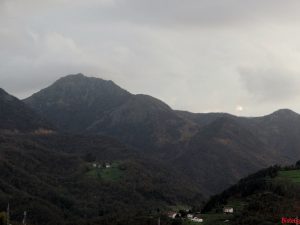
{"x": 2, "y": 218}
{"x": 89, "y": 157}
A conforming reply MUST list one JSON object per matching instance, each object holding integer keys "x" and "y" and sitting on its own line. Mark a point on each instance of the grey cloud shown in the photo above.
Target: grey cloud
{"x": 199, "y": 12}
{"x": 270, "y": 84}
{"x": 206, "y": 13}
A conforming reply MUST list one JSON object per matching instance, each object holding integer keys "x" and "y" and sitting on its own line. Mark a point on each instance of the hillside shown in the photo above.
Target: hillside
{"x": 75, "y": 102}
{"x": 279, "y": 130}
{"x": 222, "y": 153}
{"x": 261, "y": 198}
{"x": 233, "y": 147}
{"x": 54, "y": 178}
{"x": 15, "y": 116}
{"x": 144, "y": 122}
{"x": 215, "y": 149}
{"x": 80, "y": 104}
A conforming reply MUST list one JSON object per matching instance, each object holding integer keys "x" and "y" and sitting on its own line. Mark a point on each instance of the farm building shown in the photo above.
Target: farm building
{"x": 228, "y": 210}
{"x": 189, "y": 216}
{"x": 172, "y": 215}
{"x": 196, "y": 219}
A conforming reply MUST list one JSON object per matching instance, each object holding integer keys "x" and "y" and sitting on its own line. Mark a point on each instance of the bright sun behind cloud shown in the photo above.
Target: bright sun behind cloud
{"x": 239, "y": 108}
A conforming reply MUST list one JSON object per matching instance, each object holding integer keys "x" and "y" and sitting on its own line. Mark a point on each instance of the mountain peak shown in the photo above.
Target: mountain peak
{"x": 284, "y": 113}
{"x": 74, "y": 76}
{"x": 79, "y": 77}
{"x": 77, "y": 97}
{"x": 80, "y": 86}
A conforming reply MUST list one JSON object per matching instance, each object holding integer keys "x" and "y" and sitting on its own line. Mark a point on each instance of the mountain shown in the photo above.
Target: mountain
{"x": 237, "y": 146}
{"x": 75, "y": 102}
{"x": 16, "y": 116}
{"x": 80, "y": 104}
{"x": 223, "y": 152}
{"x": 202, "y": 119}
{"x": 269, "y": 196}
{"x": 279, "y": 130}
{"x": 63, "y": 179}
{"x": 214, "y": 149}
{"x": 144, "y": 122}
{"x": 157, "y": 157}
{"x": 77, "y": 179}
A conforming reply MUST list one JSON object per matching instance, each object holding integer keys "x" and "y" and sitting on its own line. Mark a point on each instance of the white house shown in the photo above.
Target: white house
{"x": 228, "y": 210}
{"x": 190, "y": 216}
{"x": 196, "y": 219}
{"x": 172, "y": 215}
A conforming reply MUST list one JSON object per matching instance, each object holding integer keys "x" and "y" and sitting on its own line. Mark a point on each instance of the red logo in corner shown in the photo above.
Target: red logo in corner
{"x": 285, "y": 220}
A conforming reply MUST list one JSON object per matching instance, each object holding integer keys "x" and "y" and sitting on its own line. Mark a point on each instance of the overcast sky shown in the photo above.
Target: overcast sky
{"x": 236, "y": 56}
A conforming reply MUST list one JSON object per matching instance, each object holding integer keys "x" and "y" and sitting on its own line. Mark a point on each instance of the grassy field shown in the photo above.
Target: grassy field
{"x": 293, "y": 175}
{"x": 107, "y": 174}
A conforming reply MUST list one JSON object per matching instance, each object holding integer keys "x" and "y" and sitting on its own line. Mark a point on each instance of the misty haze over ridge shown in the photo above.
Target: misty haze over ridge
{"x": 198, "y": 55}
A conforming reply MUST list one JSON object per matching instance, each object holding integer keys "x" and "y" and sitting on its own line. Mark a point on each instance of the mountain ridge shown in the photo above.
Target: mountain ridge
{"x": 170, "y": 135}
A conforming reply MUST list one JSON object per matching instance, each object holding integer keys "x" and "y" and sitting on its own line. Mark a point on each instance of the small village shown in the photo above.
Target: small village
{"x": 101, "y": 165}
{"x": 196, "y": 217}
{"x": 181, "y": 214}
